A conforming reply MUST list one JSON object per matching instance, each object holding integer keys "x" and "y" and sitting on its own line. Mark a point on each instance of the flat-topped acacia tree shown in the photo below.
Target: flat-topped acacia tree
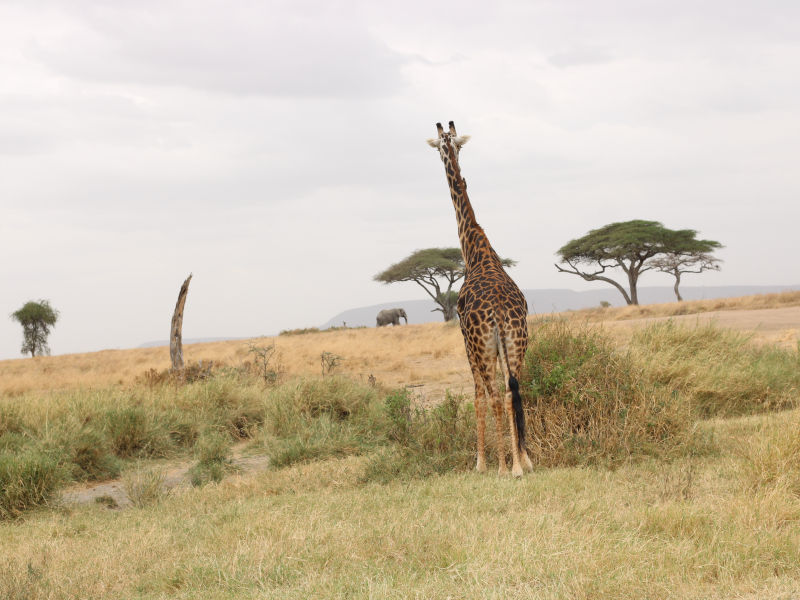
{"x": 435, "y": 270}
{"x": 633, "y": 246}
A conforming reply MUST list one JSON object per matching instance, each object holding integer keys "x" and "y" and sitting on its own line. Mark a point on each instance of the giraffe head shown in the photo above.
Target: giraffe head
{"x": 447, "y": 141}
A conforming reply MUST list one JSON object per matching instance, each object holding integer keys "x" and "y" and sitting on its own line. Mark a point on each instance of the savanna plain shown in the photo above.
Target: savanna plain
{"x": 338, "y": 464}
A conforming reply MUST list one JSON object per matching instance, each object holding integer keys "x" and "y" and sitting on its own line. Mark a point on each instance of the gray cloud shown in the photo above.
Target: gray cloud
{"x": 277, "y": 150}
{"x": 279, "y": 49}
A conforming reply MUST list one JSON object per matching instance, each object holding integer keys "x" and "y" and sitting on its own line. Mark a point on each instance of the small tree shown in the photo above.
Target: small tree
{"x": 36, "y": 319}
{"x": 435, "y": 270}
{"x": 631, "y": 246}
{"x": 676, "y": 264}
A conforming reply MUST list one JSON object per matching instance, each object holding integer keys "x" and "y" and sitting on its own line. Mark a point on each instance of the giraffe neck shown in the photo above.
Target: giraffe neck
{"x": 471, "y": 235}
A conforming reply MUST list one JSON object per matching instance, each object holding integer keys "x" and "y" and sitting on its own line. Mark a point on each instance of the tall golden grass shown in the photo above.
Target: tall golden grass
{"x": 429, "y": 356}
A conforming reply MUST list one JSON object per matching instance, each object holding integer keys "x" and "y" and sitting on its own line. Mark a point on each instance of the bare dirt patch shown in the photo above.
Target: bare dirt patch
{"x": 113, "y": 494}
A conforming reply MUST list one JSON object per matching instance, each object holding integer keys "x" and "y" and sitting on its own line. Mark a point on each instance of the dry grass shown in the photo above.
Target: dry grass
{"x": 430, "y": 356}
{"x": 772, "y": 458}
{"x": 693, "y": 528}
{"x": 720, "y": 524}
{"x": 687, "y": 307}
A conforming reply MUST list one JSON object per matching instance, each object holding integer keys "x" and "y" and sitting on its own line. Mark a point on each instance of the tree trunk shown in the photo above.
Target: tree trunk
{"x": 175, "y": 345}
{"x": 449, "y": 313}
{"x": 634, "y": 292}
{"x": 677, "y": 283}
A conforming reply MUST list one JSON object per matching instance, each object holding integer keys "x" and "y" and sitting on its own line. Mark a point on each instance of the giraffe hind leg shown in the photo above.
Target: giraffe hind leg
{"x": 513, "y": 405}
{"x": 480, "y": 420}
{"x": 497, "y": 405}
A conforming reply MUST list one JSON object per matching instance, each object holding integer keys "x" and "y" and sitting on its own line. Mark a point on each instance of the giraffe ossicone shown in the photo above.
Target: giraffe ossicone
{"x": 493, "y": 316}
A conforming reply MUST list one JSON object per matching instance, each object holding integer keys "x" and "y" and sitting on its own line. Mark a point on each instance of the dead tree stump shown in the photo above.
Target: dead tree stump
{"x": 175, "y": 345}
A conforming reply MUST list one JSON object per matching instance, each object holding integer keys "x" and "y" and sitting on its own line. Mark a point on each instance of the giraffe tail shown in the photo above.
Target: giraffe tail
{"x": 519, "y": 413}
{"x": 516, "y": 397}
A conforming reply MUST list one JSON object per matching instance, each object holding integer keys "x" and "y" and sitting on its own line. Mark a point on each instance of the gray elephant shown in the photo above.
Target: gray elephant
{"x": 391, "y": 315}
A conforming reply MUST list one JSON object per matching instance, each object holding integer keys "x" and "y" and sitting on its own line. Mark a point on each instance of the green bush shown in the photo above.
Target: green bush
{"x": 133, "y": 432}
{"x": 588, "y": 402}
{"x": 90, "y": 457}
{"x": 427, "y": 442}
{"x": 27, "y": 480}
{"x": 310, "y": 419}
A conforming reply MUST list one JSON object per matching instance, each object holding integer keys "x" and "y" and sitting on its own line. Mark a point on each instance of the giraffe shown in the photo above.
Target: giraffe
{"x": 493, "y": 312}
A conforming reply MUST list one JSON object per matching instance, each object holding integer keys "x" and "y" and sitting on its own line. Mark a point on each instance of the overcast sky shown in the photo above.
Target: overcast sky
{"x": 277, "y": 150}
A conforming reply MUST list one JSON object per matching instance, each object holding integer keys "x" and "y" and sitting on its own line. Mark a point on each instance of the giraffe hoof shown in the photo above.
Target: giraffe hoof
{"x": 517, "y": 471}
{"x": 528, "y": 463}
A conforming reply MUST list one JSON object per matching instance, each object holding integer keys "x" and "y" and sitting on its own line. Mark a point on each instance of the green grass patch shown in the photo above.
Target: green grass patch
{"x": 214, "y": 459}
{"x": 426, "y": 442}
{"x": 309, "y": 419}
{"x": 27, "y": 480}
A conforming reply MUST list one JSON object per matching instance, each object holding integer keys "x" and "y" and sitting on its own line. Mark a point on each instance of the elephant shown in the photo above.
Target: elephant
{"x": 391, "y": 315}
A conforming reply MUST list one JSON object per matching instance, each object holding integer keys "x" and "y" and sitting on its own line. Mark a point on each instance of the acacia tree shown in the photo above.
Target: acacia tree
{"x": 631, "y": 246}
{"x": 678, "y": 263}
{"x": 36, "y": 319}
{"x": 435, "y": 270}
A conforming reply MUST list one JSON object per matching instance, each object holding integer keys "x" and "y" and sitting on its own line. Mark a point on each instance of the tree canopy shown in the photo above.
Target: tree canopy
{"x": 36, "y": 319}
{"x": 435, "y": 270}
{"x": 631, "y": 246}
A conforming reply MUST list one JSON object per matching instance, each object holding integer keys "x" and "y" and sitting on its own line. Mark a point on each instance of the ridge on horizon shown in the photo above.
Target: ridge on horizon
{"x": 548, "y": 300}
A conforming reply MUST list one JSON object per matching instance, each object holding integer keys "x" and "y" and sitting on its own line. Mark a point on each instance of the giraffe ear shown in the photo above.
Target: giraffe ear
{"x": 461, "y": 140}
{"x": 435, "y": 142}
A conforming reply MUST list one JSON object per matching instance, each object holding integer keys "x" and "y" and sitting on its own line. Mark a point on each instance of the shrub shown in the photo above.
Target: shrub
{"x": 587, "y": 402}
{"x": 27, "y": 480}
{"x": 90, "y": 458}
{"x": 144, "y": 486}
{"x": 228, "y": 403}
{"x": 213, "y": 453}
{"x": 302, "y": 331}
{"x": 132, "y": 432}
{"x": 718, "y": 370}
{"x": 428, "y": 442}
{"x": 266, "y": 362}
{"x": 317, "y": 418}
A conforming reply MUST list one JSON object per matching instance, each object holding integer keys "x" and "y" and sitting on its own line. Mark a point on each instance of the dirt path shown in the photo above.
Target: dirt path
{"x": 112, "y": 493}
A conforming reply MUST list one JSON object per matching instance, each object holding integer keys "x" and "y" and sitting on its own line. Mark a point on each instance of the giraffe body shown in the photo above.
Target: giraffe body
{"x": 493, "y": 314}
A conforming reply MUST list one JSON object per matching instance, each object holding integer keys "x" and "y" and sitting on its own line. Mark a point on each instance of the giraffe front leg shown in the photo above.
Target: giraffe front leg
{"x": 480, "y": 418}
